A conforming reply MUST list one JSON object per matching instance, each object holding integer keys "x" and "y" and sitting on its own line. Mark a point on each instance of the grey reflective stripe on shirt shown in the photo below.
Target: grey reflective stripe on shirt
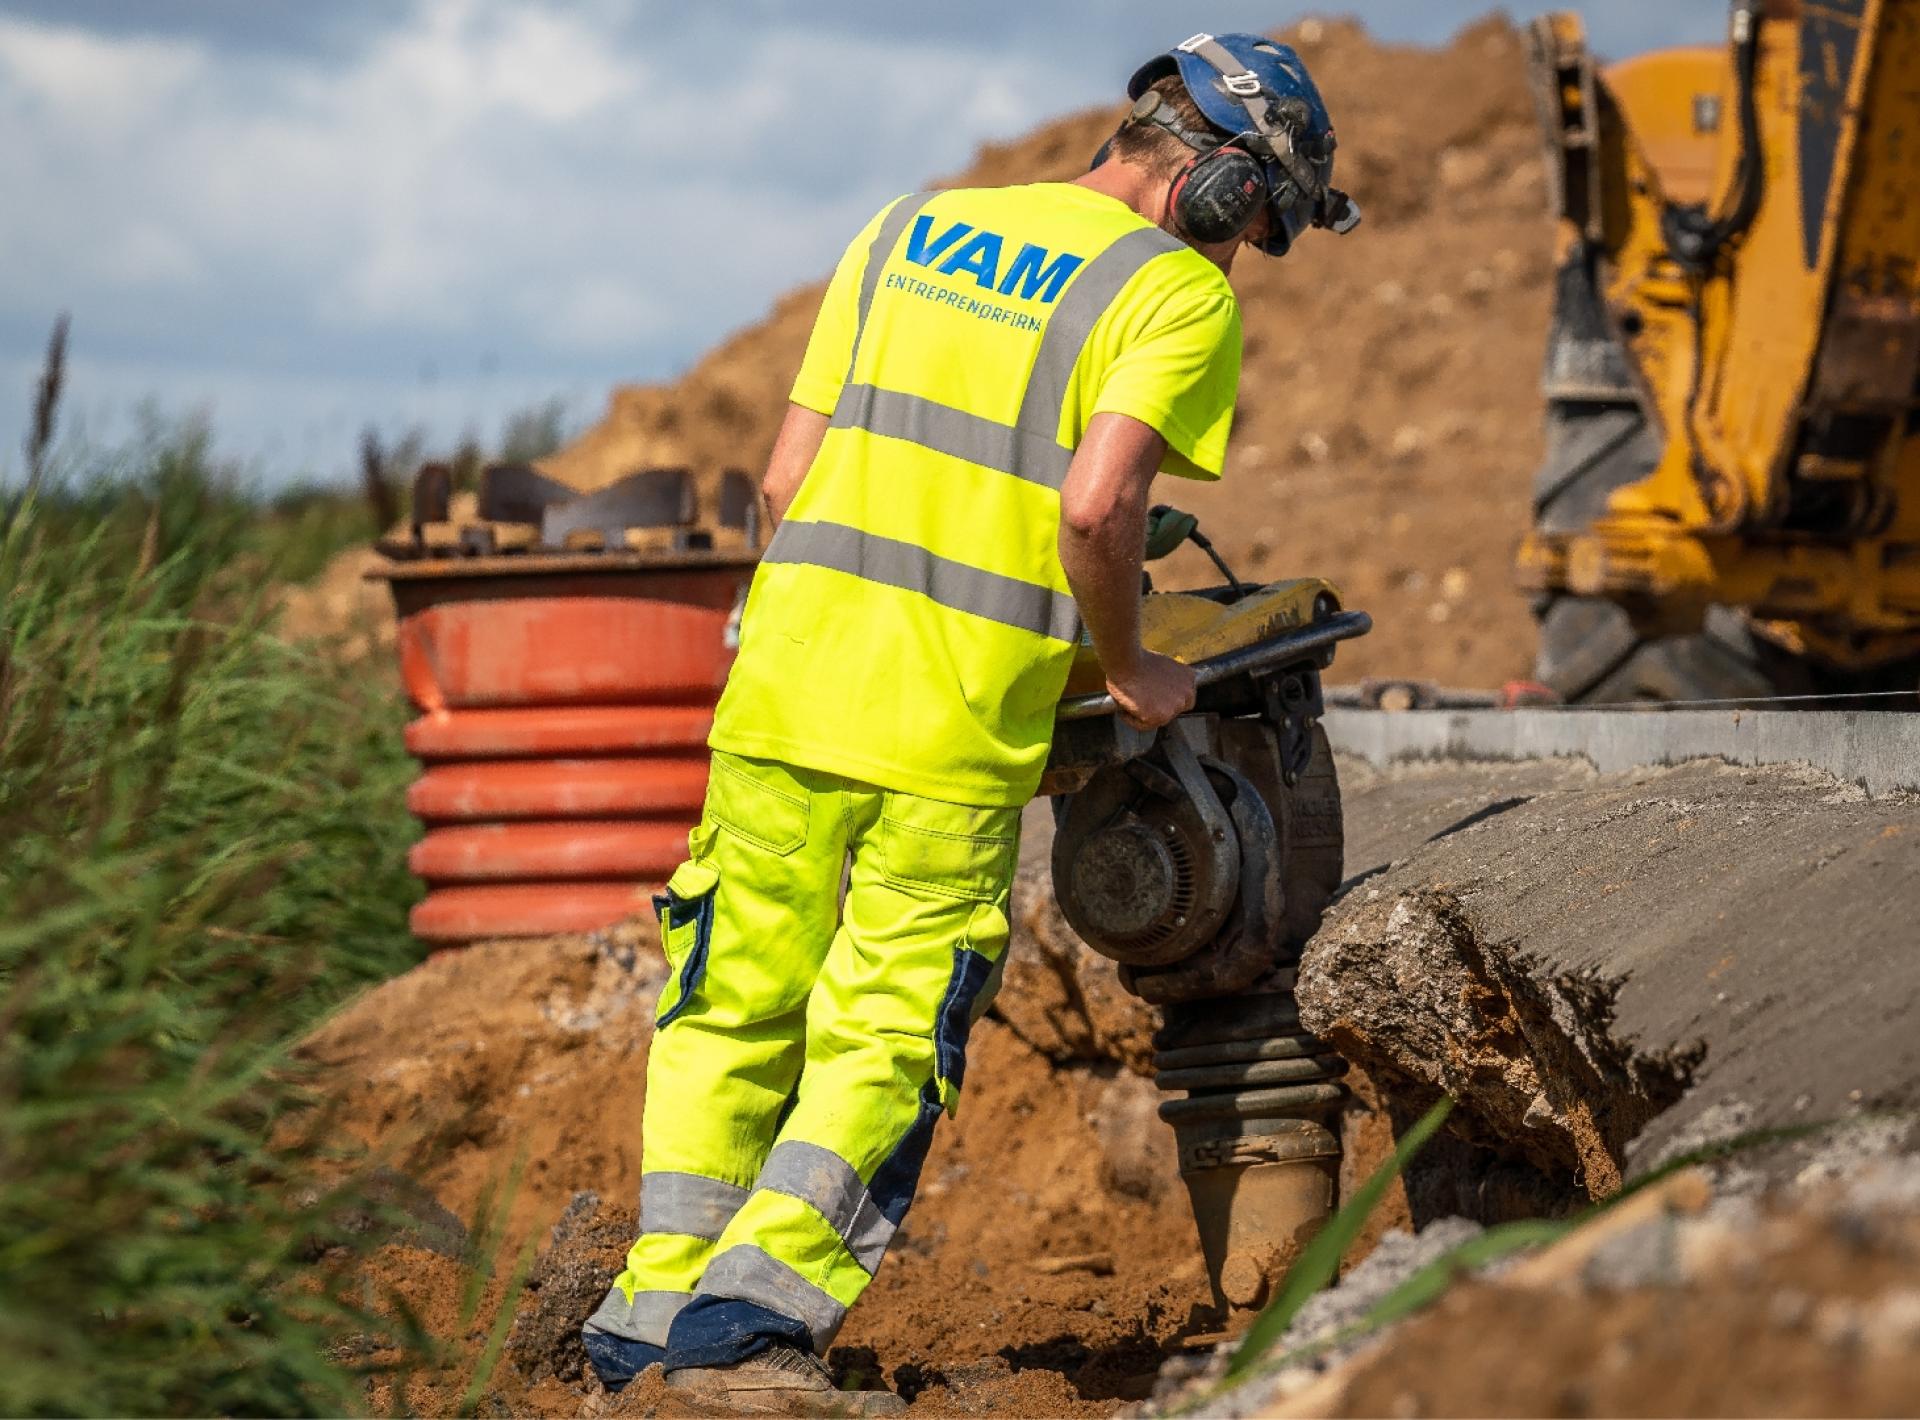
{"x": 646, "y": 1318}
{"x": 750, "y": 1274}
{"x": 688, "y": 1204}
{"x": 1029, "y": 454}
{"x": 1092, "y": 291}
{"x": 1030, "y": 447}
{"x": 892, "y": 227}
{"x": 912, "y": 568}
{"x": 820, "y": 1177}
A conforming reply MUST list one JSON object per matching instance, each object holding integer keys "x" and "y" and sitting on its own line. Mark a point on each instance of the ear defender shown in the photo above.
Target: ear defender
{"x": 1216, "y": 196}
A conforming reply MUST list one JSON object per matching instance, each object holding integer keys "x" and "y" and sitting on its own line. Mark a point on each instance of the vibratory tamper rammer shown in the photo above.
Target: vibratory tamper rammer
{"x": 1200, "y": 858}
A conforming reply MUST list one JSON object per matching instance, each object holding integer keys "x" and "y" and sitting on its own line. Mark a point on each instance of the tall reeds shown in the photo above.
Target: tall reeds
{"x": 202, "y": 842}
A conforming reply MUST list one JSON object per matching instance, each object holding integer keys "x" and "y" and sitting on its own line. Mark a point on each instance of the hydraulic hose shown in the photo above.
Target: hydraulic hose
{"x": 1693, "y": 239}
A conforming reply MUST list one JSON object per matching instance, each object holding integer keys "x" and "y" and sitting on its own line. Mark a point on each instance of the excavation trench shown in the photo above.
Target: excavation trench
{"x": 1560, "y": 952}
{"x": 1047, "y": 1268}
{"x": 1050, "y": 1266}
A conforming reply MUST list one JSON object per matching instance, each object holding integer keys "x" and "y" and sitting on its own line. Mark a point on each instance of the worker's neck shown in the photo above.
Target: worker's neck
{"x": 1143, "y": 191}
{"x": 1146, "y": 193}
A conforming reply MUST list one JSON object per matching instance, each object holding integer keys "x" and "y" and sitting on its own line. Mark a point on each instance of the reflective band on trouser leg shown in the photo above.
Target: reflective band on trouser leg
{"x": 645, "y": 1316}
{"x": 682, "y": 1215}
{"x": 688, "y": 1203}
{"x": 954, "y": 585}
{"x": 745, "y": 1273}
{"x": 722, "y": 1071}
{"x": 925, "y": 919}
{"x": 822, "y": 1178}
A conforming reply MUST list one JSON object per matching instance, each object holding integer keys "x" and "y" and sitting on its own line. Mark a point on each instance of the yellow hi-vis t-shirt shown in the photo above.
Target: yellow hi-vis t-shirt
{"x": 911, "y": 626}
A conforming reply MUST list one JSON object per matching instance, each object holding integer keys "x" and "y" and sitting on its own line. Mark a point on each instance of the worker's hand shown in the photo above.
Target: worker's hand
{"x": 1157, "y": 690}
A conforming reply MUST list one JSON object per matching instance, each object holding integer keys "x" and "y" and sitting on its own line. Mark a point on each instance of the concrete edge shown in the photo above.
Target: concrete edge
{"x": 1878, "y": 750}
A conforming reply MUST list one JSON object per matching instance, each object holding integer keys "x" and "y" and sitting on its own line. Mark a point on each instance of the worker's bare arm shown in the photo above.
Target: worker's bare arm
{"x": 794, "y": 449}
{"x": 1103, "y": 533}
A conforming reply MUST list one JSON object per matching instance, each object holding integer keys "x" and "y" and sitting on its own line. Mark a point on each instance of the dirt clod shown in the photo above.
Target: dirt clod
{"x": 588, "y": 1248}
{"x": 1408, "y": 986}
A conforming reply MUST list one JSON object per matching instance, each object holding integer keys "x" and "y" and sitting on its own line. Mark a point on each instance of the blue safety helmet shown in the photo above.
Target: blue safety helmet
{"x": 1259, "y": 97}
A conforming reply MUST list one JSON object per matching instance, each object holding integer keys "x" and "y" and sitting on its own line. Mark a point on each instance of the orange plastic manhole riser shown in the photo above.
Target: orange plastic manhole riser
{"x": 563, "y": 727}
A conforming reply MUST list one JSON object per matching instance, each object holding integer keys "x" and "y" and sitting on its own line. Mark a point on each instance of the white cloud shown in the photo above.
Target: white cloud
{"x": 80, "y": 84}
{"x": 142, "y": 255}
{"x": 477, "y": 166}
{"x": 459, "y": 62}
{"x": 582, "y": 187}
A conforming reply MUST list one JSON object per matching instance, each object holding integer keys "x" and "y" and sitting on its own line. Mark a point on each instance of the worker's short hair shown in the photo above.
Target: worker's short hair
{"x": 1152, "y": 147}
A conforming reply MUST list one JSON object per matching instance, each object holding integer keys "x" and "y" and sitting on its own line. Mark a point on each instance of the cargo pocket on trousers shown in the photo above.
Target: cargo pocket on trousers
{"x": 758, "y": 802}
{"x": 923, "y": 855}
{"x": 686, "y": 934}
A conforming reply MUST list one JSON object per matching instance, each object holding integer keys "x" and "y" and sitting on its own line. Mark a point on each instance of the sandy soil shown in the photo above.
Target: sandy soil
{"x": 1697, "y": 1297}
{"x": 1047, "y": 1265}
{"x": 1050, "y": 1266}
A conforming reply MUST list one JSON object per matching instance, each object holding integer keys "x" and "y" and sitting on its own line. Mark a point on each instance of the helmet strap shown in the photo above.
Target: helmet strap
{"x": 1238, "y": 80}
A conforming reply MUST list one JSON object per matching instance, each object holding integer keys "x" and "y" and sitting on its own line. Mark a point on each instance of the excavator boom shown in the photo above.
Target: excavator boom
{"x": 1733, "y": 482}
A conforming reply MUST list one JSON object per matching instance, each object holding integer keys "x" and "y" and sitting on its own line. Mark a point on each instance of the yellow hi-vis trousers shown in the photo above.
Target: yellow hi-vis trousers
{"x": 804, "y": 1050}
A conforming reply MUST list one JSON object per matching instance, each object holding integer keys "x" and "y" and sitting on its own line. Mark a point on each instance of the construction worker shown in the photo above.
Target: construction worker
{"x": 960, "y": 487}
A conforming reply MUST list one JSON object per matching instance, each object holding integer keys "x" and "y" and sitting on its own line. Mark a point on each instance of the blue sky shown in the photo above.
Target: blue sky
{"x": 307, "y": 216}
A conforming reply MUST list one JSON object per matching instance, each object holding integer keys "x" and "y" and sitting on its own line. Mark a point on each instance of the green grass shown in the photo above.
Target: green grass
{"x": 204, "y": 850}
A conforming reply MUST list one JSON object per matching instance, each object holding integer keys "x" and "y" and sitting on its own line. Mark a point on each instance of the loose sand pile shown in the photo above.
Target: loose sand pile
{"x": 1389, "y": 412}
{"x": 1048, "y": 1263}
{"x": 342, "y": 608}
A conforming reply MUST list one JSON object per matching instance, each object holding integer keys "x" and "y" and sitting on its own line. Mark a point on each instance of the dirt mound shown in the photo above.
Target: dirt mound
{"x": 1796, "y": 1302}
{"x": 341, "y": 608}
{"x": 532, "y": 1051}
{"x": 1046, "y": 1268}
{"x": 1389, "y": 413}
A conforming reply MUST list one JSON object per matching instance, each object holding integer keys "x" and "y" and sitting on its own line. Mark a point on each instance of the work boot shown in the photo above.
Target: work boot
{"x": 617, "y": 1360}
{"x": 782, "y": 1380}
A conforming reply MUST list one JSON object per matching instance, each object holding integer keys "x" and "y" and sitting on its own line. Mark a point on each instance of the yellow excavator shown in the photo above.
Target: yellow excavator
{"x": 1730, "y": 503}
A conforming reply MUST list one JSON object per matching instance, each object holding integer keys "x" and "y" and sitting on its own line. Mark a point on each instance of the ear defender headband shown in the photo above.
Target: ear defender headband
{"x": 1273, "y": 164}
